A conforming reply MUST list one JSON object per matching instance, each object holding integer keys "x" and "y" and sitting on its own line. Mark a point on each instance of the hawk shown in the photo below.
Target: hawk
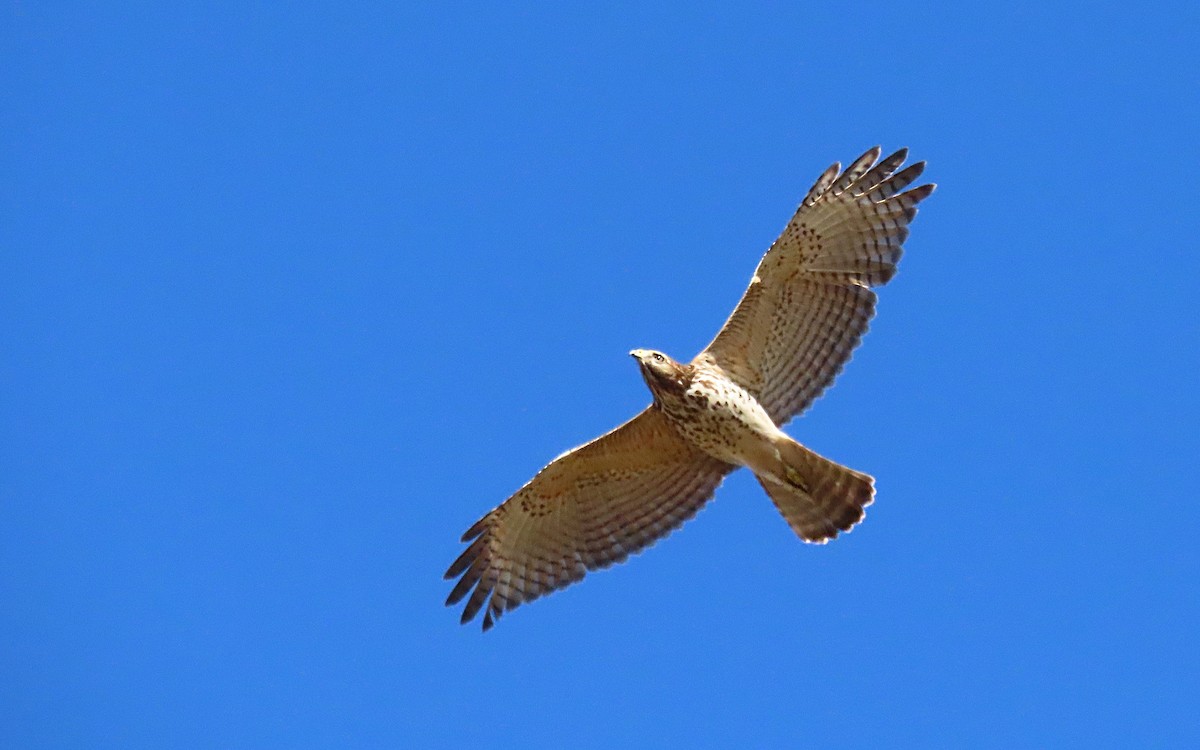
{"x": 807, "y": 307}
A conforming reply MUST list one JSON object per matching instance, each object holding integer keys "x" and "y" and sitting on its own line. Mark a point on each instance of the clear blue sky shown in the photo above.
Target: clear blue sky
{"x": 290, "y": 296}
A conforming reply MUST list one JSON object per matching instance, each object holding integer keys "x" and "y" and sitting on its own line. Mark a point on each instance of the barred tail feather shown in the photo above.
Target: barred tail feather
{"x": 819, "y": 498}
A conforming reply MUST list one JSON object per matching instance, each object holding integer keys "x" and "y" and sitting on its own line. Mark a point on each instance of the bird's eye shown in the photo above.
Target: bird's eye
{"x": 658, "y": 357}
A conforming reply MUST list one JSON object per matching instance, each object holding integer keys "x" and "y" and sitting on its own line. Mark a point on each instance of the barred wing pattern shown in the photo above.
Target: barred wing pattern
{"x": 810, "y": 300}
{"x": 590, "y": 508}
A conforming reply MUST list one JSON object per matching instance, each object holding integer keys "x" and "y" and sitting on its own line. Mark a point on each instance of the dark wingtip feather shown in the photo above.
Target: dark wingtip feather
{"x": 918, "y": 194}
{"x": 476, "y": 529}
{"x": 882, "y": 170}
{"x": 460, "y": 590}
{"x": 478, "y": 598}
{"x": 914, "y": 197}
{"x": 855, "y": 170}
{"x": 822, "y": 184}
{"x": 458, "y": 566}
{"x": 464, "y": 560}
{"x": 892, "y": 185}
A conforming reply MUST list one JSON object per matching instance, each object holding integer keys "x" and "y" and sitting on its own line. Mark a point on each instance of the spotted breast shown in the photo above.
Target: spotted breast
{"x": 718, "y": 416}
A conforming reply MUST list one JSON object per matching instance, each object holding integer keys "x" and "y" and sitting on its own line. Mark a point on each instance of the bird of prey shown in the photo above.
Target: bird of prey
{"x": 807, "y": 307}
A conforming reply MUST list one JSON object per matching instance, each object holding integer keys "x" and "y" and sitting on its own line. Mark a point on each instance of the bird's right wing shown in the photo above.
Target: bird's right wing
{"x": 810, "y": 300}
{"x": 591, "y": 507}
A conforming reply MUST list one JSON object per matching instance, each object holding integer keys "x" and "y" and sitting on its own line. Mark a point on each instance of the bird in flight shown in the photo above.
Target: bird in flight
{"x": 807, "y": 307}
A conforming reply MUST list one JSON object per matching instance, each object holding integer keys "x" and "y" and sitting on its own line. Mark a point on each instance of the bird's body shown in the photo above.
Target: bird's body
{"x": 805, "y": 310}
{"x": 709, "y": 410}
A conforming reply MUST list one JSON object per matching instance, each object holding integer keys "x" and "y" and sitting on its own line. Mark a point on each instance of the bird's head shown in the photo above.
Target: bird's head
{"x": 662, "y": 373}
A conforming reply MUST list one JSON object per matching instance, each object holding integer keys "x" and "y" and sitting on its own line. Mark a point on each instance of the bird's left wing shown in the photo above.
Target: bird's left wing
{"x": 591, "y": 507}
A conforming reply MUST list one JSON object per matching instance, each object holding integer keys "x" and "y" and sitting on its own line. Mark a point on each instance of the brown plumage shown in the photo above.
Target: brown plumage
{"x": 806, "y": 309}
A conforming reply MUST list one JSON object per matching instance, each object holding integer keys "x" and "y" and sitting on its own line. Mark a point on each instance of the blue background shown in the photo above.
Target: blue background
{"x": 291, "y": 295}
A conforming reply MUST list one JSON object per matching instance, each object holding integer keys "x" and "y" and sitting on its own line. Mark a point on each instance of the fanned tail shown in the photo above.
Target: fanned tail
{"x": 819, "y": 498}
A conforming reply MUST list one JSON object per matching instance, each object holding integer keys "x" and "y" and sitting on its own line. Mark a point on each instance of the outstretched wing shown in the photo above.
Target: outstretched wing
{"x": 591, "y": 507}
{"x": 810, "y": 300}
